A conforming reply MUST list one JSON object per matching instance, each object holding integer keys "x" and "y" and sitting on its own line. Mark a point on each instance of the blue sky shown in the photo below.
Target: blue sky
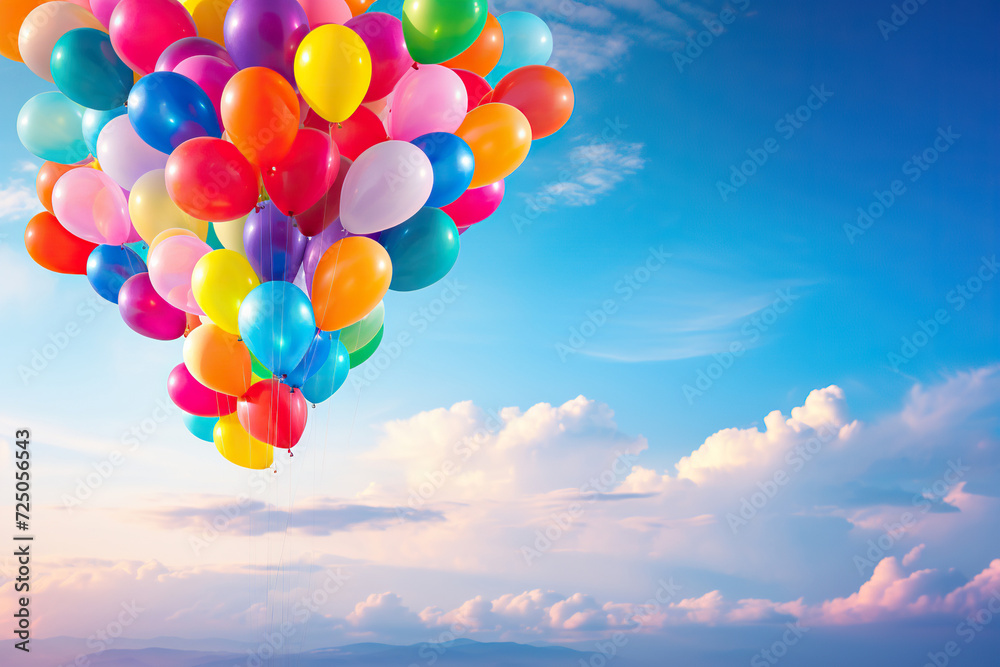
{"x": 769, "y": 268}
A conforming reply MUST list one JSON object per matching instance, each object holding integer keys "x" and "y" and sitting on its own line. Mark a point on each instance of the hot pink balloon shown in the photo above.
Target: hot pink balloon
{"x": 429, "y": 99}
{"x": 189, "y": 47}
{"x": 91, "y": 206}
{"x": 141, "y": 30}
{"x": 170, "y": 267}
{"x": 387, "y": 185}
{"x": 476, "y": 86}
{"x": 147, "y": 313}
{"x": 324, "y": 12}
{"x": 103, "y": 9}
{"x": 383, "y": 35}
{"x": 211, "y": 74}
{"x": 195, "y": 398}
{"x": 304, "y": 175}
{"x": 476, "y": 205}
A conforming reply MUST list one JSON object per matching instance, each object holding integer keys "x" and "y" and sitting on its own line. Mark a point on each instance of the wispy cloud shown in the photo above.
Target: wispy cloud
{"x": 18, "y": 200}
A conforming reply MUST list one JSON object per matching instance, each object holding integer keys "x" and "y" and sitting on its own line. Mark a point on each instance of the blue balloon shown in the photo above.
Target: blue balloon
{"x": 94, "y": 121}
{"x": 391, "y": 7}
{"x": 109, "y": 266}
{"x": 86, "y": 68}
{"x": 274, "y": 245}
{"x": 316, "y": 356}
{"x": 527, "y": 40}
{"x": 167, "y": 109}
{"x": 330, "y": 377}
{"x": 278, "y": 325}
{"x": 423, "y": 249}
{"x": 452, "y": 162}
{"x": 50, "y": 125}
{"x": 202, "y": 428}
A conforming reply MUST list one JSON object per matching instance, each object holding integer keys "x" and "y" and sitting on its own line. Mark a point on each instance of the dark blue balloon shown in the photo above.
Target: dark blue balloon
{"x": 94, "y": 121}
{"x": 453, "y": 164}
{"x": 274, "y": 245}
{"x": 423, "y": 249}
{"x": 330, "y": 377}
{"x": 278, "y": 325}
{"x": 319, "y": 352}
{"x": 167, "y": 109}
{"x": 87, "y": 70}
{"x": 109, "y": 266}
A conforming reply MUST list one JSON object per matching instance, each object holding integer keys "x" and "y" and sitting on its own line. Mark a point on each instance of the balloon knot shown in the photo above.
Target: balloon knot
{"x": 416, "y": 66}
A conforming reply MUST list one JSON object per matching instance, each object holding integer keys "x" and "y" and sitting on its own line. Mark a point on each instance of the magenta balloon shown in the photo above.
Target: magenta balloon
{"x": 383, "y": 35}
{"x": 324, "y": 12}
{"x": 146, "y": 313}
{"x": 141, "y": 30}
{"x": 195, "y": 398}
{"x": 170, "y": 267}
{"x": 475, "y": 86}
{"x": 430, "y": 99}
{"x": 91, "y": 206}
{"x": 103, "y": 9}
{"x": 211, "y": 74}
{"x": 189, "y": 47}
{"x": 476, "y": 205}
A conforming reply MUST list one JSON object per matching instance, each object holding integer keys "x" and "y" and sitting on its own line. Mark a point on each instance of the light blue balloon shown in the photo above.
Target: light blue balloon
{"x": 330, "y": 377}
{"x": 50, "y": 126}
{"x": 278, "y": 325}
{"x": 202, "y": 428}
{"x": 316, "y": 356}
{"x": 526, "y": 41}
{"x": 391, "y": 7}
{"x": 94, "y": 121}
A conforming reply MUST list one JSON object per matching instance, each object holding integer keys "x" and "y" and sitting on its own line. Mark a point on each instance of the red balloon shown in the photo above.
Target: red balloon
{"x": 358, "y": 133}
{"x": 147, "y": 313}
{"x": 303, "y": 176}
{"x": 210, "y": 179}
{"x": 475, "y": 85}
{"x": 322, "y": 214}
{"x": 54, "y": 248}
{"x": 195, "y": 398}
{"x": 274, "y": 413}
{"x": 541, "y": 93}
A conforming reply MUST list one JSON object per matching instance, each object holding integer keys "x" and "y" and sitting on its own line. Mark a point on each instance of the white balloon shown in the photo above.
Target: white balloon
{"x": 124, "y": 156}
{"x": 386, "y": 186}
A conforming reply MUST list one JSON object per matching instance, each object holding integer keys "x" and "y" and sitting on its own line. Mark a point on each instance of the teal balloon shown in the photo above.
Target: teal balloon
{"x": 86, "y": 68}
{"x": 423, "y": 249}
{"x": 141, "y": 248}
{"x": 213, "y": 239}
{"x": 330, "y": 377}
{"x": 277, "y": 324}
{"x": 202, "y": 428}
{"x": 94, "y": 121}
{"x": 50, "y": 126}
{"x": 362, "y": 355}
{"x": 391, "y": 7}
{"x": 527, "y": 40}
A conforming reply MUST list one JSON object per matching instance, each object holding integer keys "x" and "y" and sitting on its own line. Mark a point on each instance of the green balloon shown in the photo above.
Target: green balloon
{"x": 360, "y": 334}
{"x": 259, "y": 370}
{"x": 364, "y": 354}
{"x": 439, "y": 30}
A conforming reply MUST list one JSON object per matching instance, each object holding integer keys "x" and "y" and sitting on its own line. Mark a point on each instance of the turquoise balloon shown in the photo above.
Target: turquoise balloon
{"x": 213, "y": 239}
{"x": 391, "y": 7}
{"x": 86, "y": 68}
{"x": 527, "y": 40}
{"x": 423, "y": 249}
{"x": 202, "y": 428}
{"x": 50, "y": 126}
{"x": 94, "y": 121}
{"x": 331, "y": 375}
{"x": 277, "y": 324}
{"x": 140, "y": 248}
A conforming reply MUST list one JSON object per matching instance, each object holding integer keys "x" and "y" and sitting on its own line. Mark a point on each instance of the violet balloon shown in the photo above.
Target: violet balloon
{"x": 189, "y": 47}
{"x": 476, "y": 204}
{"x": 274, "y": 246}
{"x": 317, "y": 246}
{"x": 383, "y": 35}
{"x": 266, "y": 33}
{"x": 124, "y": 156}
{"x": 147, "y": 313}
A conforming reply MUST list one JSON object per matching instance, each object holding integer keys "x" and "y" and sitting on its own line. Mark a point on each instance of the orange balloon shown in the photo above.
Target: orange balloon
{"x": 359, "y": 6}
{"x": 542, "y": 94}
{"x": 46, "y": 181}
{"x": 193, "y": 322}
{"x": 12, "y": 15}
{"x": 260, "y": 111}
{"x": 500, "y": 138}
{"x": 350, "y": 280}
{"x": 218, "y": 359}
{"x": 484, "y": 54}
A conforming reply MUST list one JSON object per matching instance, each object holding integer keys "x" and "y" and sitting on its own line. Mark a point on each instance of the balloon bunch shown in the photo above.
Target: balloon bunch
{"x": 255, "y": 175}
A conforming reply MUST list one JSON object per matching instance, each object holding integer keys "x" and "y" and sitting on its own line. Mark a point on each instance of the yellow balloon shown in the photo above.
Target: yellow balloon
{"x": 231, "y": 234}
{"x": 209, "y": 16}
{"x": 333, "y": 69}
{"x": 239, "y": 447}
{"x": 220, "y": 282}
{"x": 153, "y": 211}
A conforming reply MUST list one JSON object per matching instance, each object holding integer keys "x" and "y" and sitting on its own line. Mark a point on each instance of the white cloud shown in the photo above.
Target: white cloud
{"x": 18, "y": 201}
{"x": 596, "y": 169}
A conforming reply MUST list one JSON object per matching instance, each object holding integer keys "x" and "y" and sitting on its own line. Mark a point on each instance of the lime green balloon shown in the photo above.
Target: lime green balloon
{"x": 364, "y": 354}
{"x": 360, "y": 334}
{"x": 438, "y": 30}
{"x": 259, "y": 370}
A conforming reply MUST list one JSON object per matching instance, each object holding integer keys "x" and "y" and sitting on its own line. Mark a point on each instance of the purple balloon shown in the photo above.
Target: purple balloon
{"x": 189, "y": 47}
{"x": 383, "y": 35}
{"x": 273, "y": 244}
{"x": 318, "y": 245}
{"x": 147, "y": 313}
{"x": 266, "y": 33}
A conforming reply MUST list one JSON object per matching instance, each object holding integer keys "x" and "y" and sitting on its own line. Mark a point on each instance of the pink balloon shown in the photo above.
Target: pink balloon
{"x": 189, "y": 47}
{"x": 430, "y": 99}
{"x": 133, "y": 235}
{"x": 91, "y": 206}
{"x": 124, "y": 156}
{"x": 146, "y": 313}
{"x": 476, "y": 86}
{"x": 476, "y": 205}
{"x": 385, "y": 187}
{"x": 323, "y": 12}
{"x": 170, "y": 267}
{"x": 103, "y": 9}
{"x": 142, "y": 29}
{"x": 195, "y": 398}
{"x": 211, "y": 74}
{"x": 383, "y": 35}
